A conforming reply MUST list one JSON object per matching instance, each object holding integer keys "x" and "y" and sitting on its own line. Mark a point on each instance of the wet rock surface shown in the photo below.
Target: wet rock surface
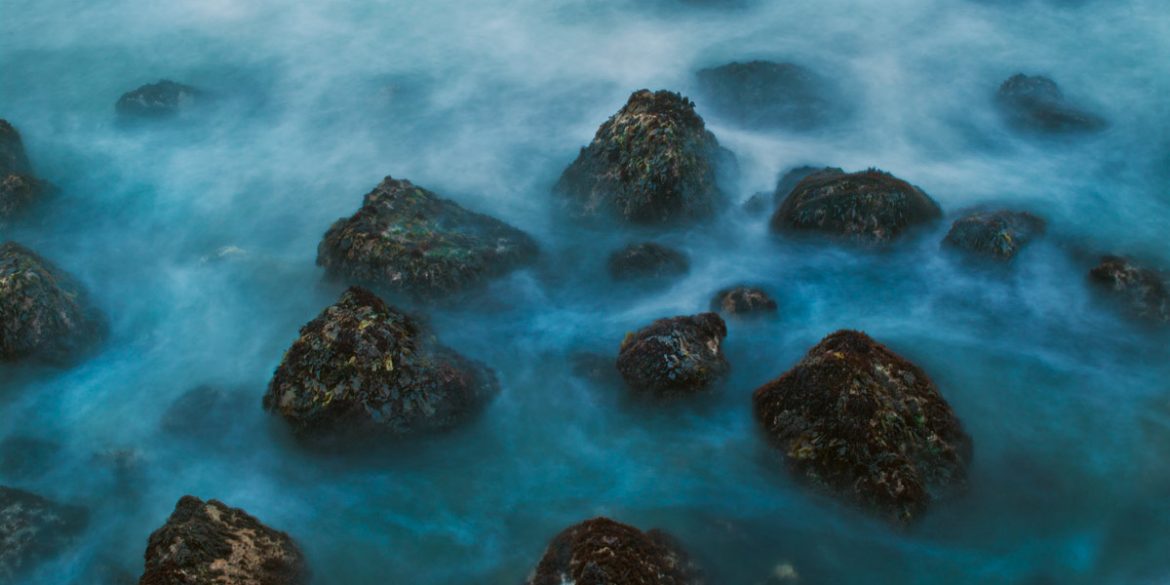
{"x": 995, "y": 234}
{"x": 743, "y": 301}
{"x": 156, "y": 101}
{"x": 409, "y": 240}
{"x": 208, "y": 542}
{"x": 861, "y": 422}
{"x": 766, "y": 94}
{"x": 1035, "y": 103}
{"x": 363, "y": 366}
{"x": 653, "y": 162}
{"x": 19, "y": 188}
{"x": 675, "y": 356}
{"x": 32, "y": 530}
{"x": 603, "y": 552}
{"x": 1143, "y": 292}
{"x": 647, "y": 261}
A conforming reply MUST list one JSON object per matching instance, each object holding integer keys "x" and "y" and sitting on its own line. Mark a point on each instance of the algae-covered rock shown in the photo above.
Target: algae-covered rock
{"x": 858, "y": 420}
{"x": 870, "y": 206}
{"x": 33, "y": 529}
{"x": 743, "y": 301}
{"x": 19, "y": 188}
{"x": 679, "y": 355}
{"x": 652, "y": 162}
{"x": 364, "y": 366}
{"x": 411, "y": 241}
{"x": 1035, "y": 103}
{"x": 769, "y": 95}
{"x": 995, "y": 234}
{"x": 206, "y": 543}
{"x": 647, "y": 261}
{"x": 1143, "y": 292}
{"x": 156, "y": 101}
{"x": 44, "y": 313}
{"x": 604, "y": 552}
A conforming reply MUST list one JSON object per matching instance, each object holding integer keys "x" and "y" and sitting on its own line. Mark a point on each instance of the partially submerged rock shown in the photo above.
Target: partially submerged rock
{"x": 995, "y": 234}
{"x": 411, "y": 241}
{"x": 1035, "y": 103}
{"x": 1144, "y": 292}
{"x": 679, "y": 355}
{"x": 155, "y": 101}
{"x": 206, "y": 411}
{"x": 861, "y": 422}
{"x": 19, "y": 188}
{"x": 647, "y": 261}
{"x": 33, "y": 529}
{"x": 364, "y": 366}
{"x": 872, "y": 206}
{"x": 743, "y": 301}
{"x": 44, "y": 313}
{"x": 604, "y": 552}
{"x": 210, "y": 543}
{"x": 793, "y": 176}
{"x": 765, "y": 94}
{"x": 652, "y": 162}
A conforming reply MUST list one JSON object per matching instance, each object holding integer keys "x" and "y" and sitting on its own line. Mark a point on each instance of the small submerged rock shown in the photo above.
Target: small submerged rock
{"x": 860, "y": 421}
{"x": 1035, "y": 103}
{"x": 44, "y": 313}
{"x": 32, "y": 530}
{"x": 206, "y": 412}
{"x": 155, "y": 101}
{"x": 19, "y": 188}
{"x": 996, "y": 234}
{"x": 604, "y": 552}
{"x": 675, "y": 356}
{"x": 1144, "y": 292}
{"x": 653, "y": 162}
{"x": 766, "y": 94}
{"x": 364, "y": 366}
{"x": 208, "y": 542}
{"x": 872, "y": 206}
{"x": 411, "y": 241}
{"x": 743, "y": 301}
{"x": 647, "y": 261}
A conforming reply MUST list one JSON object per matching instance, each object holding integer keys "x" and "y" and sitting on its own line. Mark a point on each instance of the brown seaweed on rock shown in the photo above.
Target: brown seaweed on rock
{"x": 604, "y": 552}
{"x": 676, "y": 356}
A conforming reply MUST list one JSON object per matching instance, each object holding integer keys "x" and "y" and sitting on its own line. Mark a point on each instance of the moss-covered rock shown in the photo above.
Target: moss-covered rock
{"x": 363, "y": 366}
{"x": 156, "y": 101}
{"x": 995, "y": 234}
{"x": 871, "y": 207}
{"x": 1144, "y": 292}
{"x": 33, "y": 529}
{"x": 604, "y": 552}
{"x": 44, "y": 313}
{"x": 652, "y": 162}
{"x": 675, "y": 356}
{"x": 743, "y": 301}
{"x": 1035, "y": 103}
{"x": 861, "y": 422}
{"x": 19, "y": 188}
{"x": 205, "y": 543}
{"x": 766, "y": 94}
{"x": 411, "y": 241}
{"x": 647, "y": 261}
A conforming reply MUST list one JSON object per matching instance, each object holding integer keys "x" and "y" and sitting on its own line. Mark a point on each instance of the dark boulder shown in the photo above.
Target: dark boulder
{"x": 33, "y": 529}
{"x": 18, "y": 187}
{"x": 1144, "y": 292}
{"x": 765, "y": 94}
{"x": 44, "y": 313}
{"x": 411, "y": 241}
{"x": 792, "y": 177}
{"x": 743, "y": 301}
{"x": 647, "y": 261}
{"x": 154, "y": 101}
{"x": 870, "y": 207}
{"x": 604, "y": 552}
{"x": 675, "y": 356}
{"x": 364, "y": 366}
{"x": 858, "y": 420}
{"x": 652, "y": 162}
{"x": 1035, "y": 103}
{"x": 996, "y": 234}
{"x": 208, "y": 542}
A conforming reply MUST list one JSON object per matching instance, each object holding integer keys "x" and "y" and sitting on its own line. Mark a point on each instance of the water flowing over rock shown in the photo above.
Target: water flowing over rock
{"x": 647, "y": 261}
{"x": 411, "y": 241}
{"x": 604, "y": 552}
{"x": 1035, "y": 103}
{"x": 765, "y": 94}
{"x": 858, "y": 420}
{"x": 156, "y": 101}
{"x": 1144, "y": 292}
{"x": 210, "y": 543}
{"x": 675, "y": 356}
{"x": 743, "y": 301}
{"x": 651, "y": 163}
{"x": 996, "y": 234}
{"x": 33, "y": 529}
{"x": 19, "y": 188}
{"x": 364, "y": 366}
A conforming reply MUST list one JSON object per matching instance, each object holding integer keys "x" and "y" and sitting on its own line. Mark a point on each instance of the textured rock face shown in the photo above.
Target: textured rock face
{"x": 652, "y": 162}
{"x": 871, "y": 206}
{"x": 44, "y": 313}
{"x": 860, "y": 421}
{"x": 764, "y": 94}
{"x": 1035, "y": 103}
{"x": 33, "y": 529}
{"x": 165, "y": 99}
{"x": 1145, "y": 293}
{"x": 604, "y": 552}
{"x": 411, "y": 241}
{"x": 743, "y": 301}
{"x": 647, "y": 261}
{"x": 208, "y": 543}
{"x": 18, "y": 187}
{"x": 996, "y": 234}
{"x": 676, "y": 356}
{"x": 363, "y": 366}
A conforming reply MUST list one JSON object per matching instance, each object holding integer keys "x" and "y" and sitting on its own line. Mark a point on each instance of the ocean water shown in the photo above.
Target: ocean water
{"x": 198, "y": 240}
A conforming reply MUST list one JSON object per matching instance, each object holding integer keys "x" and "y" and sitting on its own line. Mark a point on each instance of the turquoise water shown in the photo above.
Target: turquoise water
{"x": 1068, "y": 403}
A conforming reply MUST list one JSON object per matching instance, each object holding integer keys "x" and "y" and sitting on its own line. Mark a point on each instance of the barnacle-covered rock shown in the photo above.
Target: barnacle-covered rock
{"x": 679, "y": 355}
{"x": 18, "y": 187}
{"x": 604, "y": 552}
{"x": 871, "y": 206}
{"x": 743, "y": 301}
{"x": 652, "y": 162}
{"x": 210, "y": 543}
{"x": 1035, "y": 103}
{"x": 647, "y": 261}
{"x": 765, "y": 94}
{"x": 44, "y": 313}
{"x": 860, "y": 421}
{"x": 165, "y": 99}
{"x": 364, "y": 366}
{"x": 995, "y": 234}
{"x": 409, "y": 240}
{"x": 32, "y": 529}
{"x": 1144, "y": 292}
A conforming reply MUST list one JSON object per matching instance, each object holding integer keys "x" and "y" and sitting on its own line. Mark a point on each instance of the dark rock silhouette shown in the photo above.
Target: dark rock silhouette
{"x": 1143, "y": 292}
{"x": 604, "y": 552}
{"x": 1036, "y": 104}
{"x": 765, "y": 94}
{"x": 156, "y": 101}
{"x": 743, "y": 301}
{"x": 995, "y": 234}
{"x": 32, "y": 530}
{"x": 647, "y": 261}
{"x": 19, "y": 188}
